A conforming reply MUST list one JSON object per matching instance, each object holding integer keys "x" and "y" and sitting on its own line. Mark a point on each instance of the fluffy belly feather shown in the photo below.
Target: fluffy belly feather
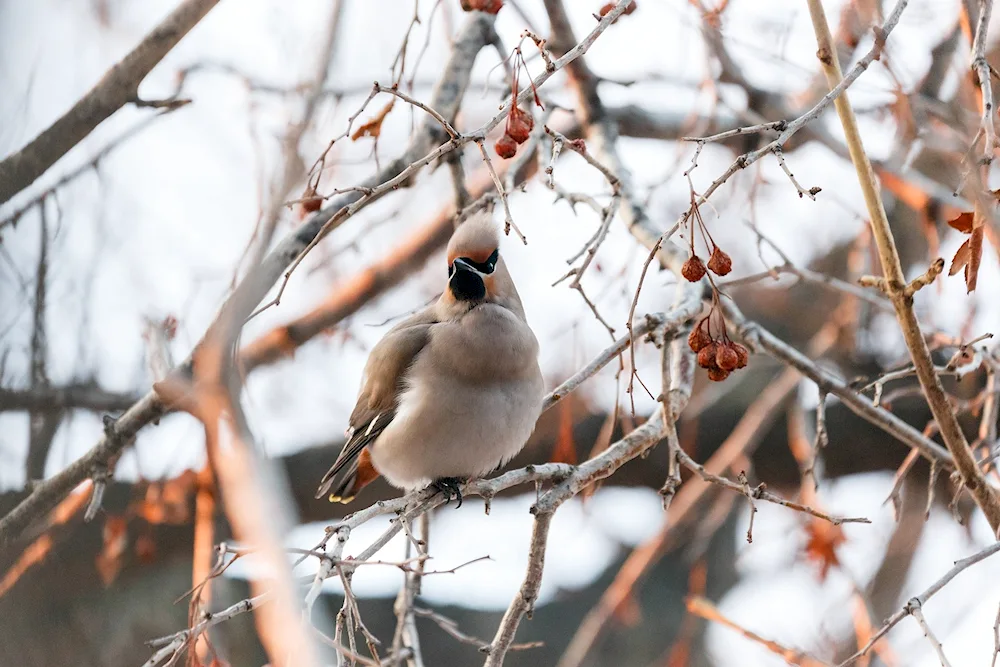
{"x": 446, "y": 430}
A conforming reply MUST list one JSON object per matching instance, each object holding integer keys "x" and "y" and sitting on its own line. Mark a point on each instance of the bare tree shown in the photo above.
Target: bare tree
{"x": 711, "y": 364}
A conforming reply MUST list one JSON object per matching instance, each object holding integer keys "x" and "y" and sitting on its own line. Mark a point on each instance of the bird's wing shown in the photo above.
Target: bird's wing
{"x": 384, "y": 374}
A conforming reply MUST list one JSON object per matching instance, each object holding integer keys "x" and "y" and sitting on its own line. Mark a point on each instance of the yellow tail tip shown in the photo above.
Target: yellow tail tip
{"x": 334, "y": 498}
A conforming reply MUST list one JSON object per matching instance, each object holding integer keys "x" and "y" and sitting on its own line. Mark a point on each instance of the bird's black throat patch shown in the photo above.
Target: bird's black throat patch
{"x": 467, "y": 286}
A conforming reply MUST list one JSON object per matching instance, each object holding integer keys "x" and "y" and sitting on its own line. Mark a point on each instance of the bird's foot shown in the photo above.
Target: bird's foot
{"x": 450, "y": 487}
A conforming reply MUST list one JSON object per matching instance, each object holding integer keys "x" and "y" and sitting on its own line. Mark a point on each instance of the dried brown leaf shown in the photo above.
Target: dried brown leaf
{"x": 565, "y": 449}
{"x": 824, "y": 538}
{"x": 167, "y": 501}
{"x": 975, "y": 257}
{"x": 109, "y": 561}
{"x": 963, "y": 222}
{"x": 960, "y": 259}
{"x": 373, "y": 128}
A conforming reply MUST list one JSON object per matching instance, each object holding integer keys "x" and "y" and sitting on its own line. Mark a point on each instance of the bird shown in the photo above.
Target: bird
{"x": 452, "y": 392}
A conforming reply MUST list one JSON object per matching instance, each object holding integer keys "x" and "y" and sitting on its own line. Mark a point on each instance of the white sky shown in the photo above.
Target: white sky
{"x": 159, "y": 229}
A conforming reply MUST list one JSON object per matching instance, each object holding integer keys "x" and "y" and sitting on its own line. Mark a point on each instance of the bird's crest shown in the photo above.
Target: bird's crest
{"x": 476, "y": 238}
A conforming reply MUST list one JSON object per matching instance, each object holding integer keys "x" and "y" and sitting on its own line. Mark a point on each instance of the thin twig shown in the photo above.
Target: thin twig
{"x": 524, "y": 602}
{"x": 764, "y": 340}
{"x": 918, "y": 616}
{"x": 895, "y": 280}
{"x": 118, "y": 87}
{"x": 450, "y": 626}
{"x": 508, "y": 218}
{"x": 255, "y": 285}
{"x": 761, "y": 493}
{"x": 981, "y": 68}
{"x": 919, "y": 601}
{"x": 791, "y": 127}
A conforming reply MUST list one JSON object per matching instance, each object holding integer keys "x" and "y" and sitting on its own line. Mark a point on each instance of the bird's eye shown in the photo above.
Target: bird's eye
{"x": 492, "y": 261}
{"x": 451, "y": 270}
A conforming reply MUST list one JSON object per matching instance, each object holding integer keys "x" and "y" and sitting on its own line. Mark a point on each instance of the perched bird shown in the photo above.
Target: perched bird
{"x": 452, "y": 392}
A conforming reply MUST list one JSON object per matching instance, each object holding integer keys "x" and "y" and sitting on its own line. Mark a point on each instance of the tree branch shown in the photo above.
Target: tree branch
{"x": 567, "y": 481}
{"x": 257, "y": 282}
{"x": 831, "y": 384}
{"x": 524, "y": 601}
{"x": 477, "y": 32}
{"x": 895, "y": 281}
{"x": 54, "y": 399}
{"x": 741, "y": 442}
{"x": 597, "y": 468}
{"x": 920, "y": 600}
{"x": 118, "y": 87}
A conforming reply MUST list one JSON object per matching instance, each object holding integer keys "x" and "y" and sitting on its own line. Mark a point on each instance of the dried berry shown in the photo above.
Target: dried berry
{"x": 467, "y": 5}
{"x": 716, "y": 374}
{"x": 519, "y": 125}
{"x": 490, "y": 6}
{"x": 726, "y": 357}
{"x": 742, "y": 355}
{"x": 693, "y": 269}
{"x": 719, "y": 262}
{"x": 506, "y": 147}
{"x": 698, "y": 338}
{"x": 706, "y": 356}
{"x": 312, "y": 204}
{"x": 611, "y": 5}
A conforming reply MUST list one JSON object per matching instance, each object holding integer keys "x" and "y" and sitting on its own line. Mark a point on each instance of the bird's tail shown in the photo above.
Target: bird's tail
{"x": 344, "y": 487}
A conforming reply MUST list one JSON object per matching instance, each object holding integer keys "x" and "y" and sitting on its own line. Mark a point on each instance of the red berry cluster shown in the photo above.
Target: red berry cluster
{"x": 312, "y": 204}
{"x": 519, "y": 126}
{"x": 519, "y": 122}
{"x": 720, "y": 356}
{"x": 488, "y": 6}
{"x": 311, "y": 200}
{"x": 719, "y": 263}
{"x": 611, "y": 5}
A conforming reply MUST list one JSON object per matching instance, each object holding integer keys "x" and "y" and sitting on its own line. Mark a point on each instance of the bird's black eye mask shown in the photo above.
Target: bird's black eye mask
{"x": 486, "y": 267}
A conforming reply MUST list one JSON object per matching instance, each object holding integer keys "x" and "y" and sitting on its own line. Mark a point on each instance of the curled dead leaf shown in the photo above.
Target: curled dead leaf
{"x": 960, "y": 259}
{"x": 963, "y": 222}
{"x": 969, "y": 256}
{"x": 824, "y": 538}
{"x": 373, "y": 128}
{"x": 975, "y": 257}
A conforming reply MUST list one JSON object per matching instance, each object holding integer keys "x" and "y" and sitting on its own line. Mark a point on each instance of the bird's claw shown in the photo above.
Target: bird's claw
{"x": 450, "y": 487}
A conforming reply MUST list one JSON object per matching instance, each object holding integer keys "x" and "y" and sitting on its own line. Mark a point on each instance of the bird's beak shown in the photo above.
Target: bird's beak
{"x": 467, "y": 283}
{"x": 462, "y": 265}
